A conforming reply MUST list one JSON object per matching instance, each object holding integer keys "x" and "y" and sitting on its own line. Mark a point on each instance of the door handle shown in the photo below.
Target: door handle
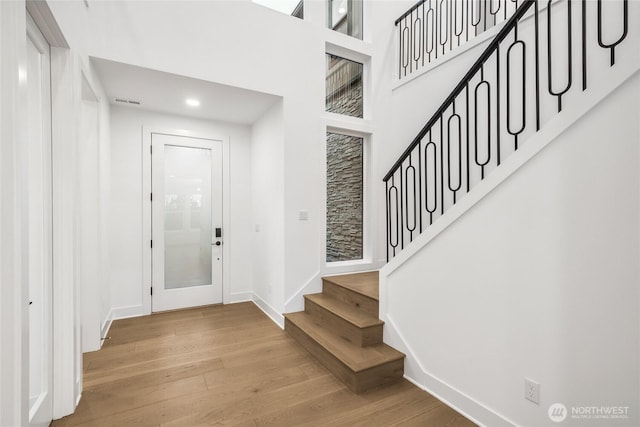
{"x": 218, "y": 243}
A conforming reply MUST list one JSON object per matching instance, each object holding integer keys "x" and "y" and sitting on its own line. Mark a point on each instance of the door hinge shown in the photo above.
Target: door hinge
{"x": 152, "y": 290}
{"x": 151, "y": 149}
{"x": 151, "y": 196}
{"x": 151, "y": 244}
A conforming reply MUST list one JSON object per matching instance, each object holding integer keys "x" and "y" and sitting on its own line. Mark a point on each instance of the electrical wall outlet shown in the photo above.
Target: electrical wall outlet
{"x": 532, "y": 391}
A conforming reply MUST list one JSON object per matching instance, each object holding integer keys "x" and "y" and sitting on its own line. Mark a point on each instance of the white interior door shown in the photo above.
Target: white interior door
{"x": 186, "y": 215}
{"x": 40, "y": 228}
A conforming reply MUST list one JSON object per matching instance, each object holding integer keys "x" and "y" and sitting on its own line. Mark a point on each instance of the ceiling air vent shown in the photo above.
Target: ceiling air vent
{"x": 126, "y": 101}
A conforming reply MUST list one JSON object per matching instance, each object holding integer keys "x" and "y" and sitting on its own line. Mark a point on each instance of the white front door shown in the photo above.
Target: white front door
{"x": 40, "y": 257}
{"x": 186, "y": 215}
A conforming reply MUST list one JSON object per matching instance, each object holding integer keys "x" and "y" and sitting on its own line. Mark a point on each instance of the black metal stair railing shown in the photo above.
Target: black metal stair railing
{"x": 432, "y": 28}
{"x": 519, "y": 82}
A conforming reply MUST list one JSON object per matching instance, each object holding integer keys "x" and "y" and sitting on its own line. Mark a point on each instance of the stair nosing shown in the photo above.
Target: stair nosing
{"x": 377, "y": 322}
{"x": 400, "y": 355}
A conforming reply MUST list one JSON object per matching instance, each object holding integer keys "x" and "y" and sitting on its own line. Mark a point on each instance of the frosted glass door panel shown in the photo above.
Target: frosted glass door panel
{"x": 187, "y": 217}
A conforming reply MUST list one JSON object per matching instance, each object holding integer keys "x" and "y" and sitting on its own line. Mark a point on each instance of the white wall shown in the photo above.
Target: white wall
{"x": 267, "y": 248}
{"x": 88, "y": 225}
{"x": 539, "y": 280}
{"x": 93, "y": 197}
{"x": 126, "y": 248}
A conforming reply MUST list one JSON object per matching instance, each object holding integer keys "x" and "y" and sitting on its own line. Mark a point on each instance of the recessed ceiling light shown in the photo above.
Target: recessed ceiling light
{"x": 191, "y": 102}
{"x": 342, "y": 10}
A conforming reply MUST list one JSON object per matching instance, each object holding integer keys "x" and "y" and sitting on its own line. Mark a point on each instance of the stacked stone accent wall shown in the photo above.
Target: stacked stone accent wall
{"x": 344, "y": 197}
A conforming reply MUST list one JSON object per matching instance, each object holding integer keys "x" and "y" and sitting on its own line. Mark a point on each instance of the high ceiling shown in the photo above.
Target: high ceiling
{"x": 167, "y": 93}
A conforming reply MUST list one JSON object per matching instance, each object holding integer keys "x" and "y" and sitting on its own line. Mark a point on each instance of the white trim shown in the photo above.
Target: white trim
{"x": 106, "y": 326}
{"x": 340, "y": 44}
{"x": 236, "y": 297}
{"x": 273, "y": 314}
{"x": 146, "y": 282}
{"x": 64, "y": 105}
{"x": 343, "y": 124}
{"x": 127, "y": 312}
{"x": 14, "y": 398}
{"x": 41, "y": 14}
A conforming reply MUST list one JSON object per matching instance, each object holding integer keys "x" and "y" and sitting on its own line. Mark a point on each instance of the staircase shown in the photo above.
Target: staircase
{"x": 340, "y": 327}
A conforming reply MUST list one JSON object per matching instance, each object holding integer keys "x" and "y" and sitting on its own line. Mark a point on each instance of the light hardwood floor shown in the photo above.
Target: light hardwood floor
{"x": 230, "y": 365}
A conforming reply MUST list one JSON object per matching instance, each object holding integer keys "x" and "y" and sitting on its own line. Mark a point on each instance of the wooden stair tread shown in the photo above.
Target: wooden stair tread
{"x": 355, "y": 358}
{"x": 345, "y": 311}
{"x": 363, "y": 283}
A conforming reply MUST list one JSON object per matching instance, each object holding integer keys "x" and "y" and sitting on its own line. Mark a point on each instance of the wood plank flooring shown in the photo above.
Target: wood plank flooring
{"x": 230, "y": 365}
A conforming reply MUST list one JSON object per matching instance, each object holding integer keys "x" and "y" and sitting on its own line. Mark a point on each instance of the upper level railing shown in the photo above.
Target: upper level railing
{"x": 432, "y": 28}
{"x": 540, "y": 59}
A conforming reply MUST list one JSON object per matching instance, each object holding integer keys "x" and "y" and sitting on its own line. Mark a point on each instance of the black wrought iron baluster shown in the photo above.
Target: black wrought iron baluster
{"x": 487, "y": 85}
{"x": 430, "y": 209}
{"x": 411, "y": 228}
{"x": 441, "y": 168}
{"x": 584, "y": 45}
{"x": 420, "y": 184}
{"x": 386, "y": 197}
{"x": 485, "y": 17}
{"x": 561, "y": 92}
{"x": 498, "y": 151}
{"x": 516, "y": 132}
{"x": 536, "y": 25}
{"x": 457, "y": 31}
{"x": 411, "y": 40}
{"x": 493, "y": 12}
{"x": 407, "y": 47}
{"x": 417, "y": 50}
{"x": 430, "y": 21}
{"x": 423, "y": 32}
{"x": 393, "y": 191}
{"x": 401, "y": 210}
{"x": 444, "y": 11}
{"x": 399, "y": 52}
{"x": 476, "y": 11}
{"x": 455, "y": 116}
{"x": 467, "y": 120}
{"x": 467, "y": 15}
{"x": 625, "y": 29}
{"x": 436, "y": 18}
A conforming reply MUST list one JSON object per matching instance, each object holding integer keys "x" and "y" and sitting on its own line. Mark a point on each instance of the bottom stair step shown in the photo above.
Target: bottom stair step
{"x": 360, "y": 368}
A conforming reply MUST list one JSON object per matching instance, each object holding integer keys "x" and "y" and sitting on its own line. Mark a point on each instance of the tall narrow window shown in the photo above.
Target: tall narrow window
{"x": 344, "y": 86}
{"x": 345, "y": 16}
{"x": 344, "y": 197}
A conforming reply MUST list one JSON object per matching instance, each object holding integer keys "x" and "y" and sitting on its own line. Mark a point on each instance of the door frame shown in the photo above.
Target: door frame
{"x": 38, "y": 40}
{"x": 146, "y": 278}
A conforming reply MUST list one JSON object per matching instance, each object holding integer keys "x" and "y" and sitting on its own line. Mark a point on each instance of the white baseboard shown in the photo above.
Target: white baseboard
{"x": 452, "y": 397}
{"x": 106, "y": 325}
{"x": 127, "y": 311}
{"x": 273, "y": 314}
{"x": 239, "y": 297}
